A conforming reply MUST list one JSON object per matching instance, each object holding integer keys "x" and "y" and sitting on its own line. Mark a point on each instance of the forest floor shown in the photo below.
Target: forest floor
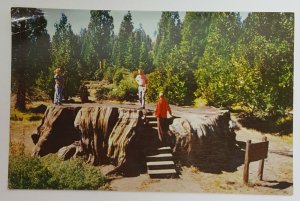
{"x": 277, "y": 178}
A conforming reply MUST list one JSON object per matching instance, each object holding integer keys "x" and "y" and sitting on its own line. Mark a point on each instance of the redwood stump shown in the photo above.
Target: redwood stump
{"x": 95, "y": 125}
{"x": 119, "y": 134}
{"x": 203, "y": 138}
{"x": 55, "y": 131}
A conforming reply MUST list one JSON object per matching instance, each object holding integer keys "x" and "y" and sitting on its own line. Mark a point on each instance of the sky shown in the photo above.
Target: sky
{"x": 80, "y": 19}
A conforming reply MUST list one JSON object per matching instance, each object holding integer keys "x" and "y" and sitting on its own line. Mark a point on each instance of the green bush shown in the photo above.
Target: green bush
{"x": 73, "y": 174}
{"x": 156, "y": 84}
{"x": 109, "y": 74}
{"x": 126, "y": 90}
{"x": 28, "y": 173}
{"x": 103, "y": 93}
{"x": 174, "y": 85}
{"x": 50, "y": 172}
{"x": 98, "y": 74}
{"x": 120, "y": 74}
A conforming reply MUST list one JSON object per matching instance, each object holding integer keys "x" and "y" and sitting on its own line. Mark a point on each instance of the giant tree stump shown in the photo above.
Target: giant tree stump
{"x": 118, "y": 134}
{"x": 95, "y": 125}
{"x": 203, "y": 137}
{"x": 56, "y": 130}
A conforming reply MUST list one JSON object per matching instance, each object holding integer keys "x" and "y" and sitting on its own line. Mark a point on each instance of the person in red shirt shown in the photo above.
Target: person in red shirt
{"x": 162, "y": 108}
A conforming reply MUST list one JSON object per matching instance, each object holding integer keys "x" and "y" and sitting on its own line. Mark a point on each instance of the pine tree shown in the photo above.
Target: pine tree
{"x": 124, "y": 43}
{"x": 30, "y": 51}
{"x": 140, "y": 50}
{"x": 65, "y": 53}
{"x": 194, "y": 32}
{"x": 267, "y": 45}
{"x": 214, "y": 72}
{"x": 97, "y": 43}
{"x": 168, "y": 36}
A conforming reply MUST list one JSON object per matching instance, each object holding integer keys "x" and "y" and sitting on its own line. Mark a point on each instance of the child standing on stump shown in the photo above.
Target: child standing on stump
{"x": 161, "y": 114}
{"x": 58, "y": 86}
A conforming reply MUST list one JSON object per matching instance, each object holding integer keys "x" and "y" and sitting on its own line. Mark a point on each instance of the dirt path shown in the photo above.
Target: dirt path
{"x": 278, "y": 174}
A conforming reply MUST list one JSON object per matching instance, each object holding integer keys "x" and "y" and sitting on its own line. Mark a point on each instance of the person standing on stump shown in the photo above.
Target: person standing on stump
{"x": 142, "y": 81}
{"x": 162, "y": 108}
{"x": 58, "y": 86}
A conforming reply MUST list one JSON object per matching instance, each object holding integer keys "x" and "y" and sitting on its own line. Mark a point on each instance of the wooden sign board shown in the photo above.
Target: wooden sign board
{"x": 258, "y": 151}
{"x": 255, "y": 152}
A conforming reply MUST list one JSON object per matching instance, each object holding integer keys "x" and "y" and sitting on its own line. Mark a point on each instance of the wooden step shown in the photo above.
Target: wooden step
{"x": 164, "y": 149}
{"x": 152, "y": 124}
{"x": 151, "y": 118}
{"x": 153, "y": 163}
{"x": 161, "y": 150}
{"x": 160, "y": 165}
{"x": 162, "y": 173}
{"x": 160, "y": 157}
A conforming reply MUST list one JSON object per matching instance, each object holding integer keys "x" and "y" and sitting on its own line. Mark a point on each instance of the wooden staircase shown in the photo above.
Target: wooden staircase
{"x": 160, "y": 161}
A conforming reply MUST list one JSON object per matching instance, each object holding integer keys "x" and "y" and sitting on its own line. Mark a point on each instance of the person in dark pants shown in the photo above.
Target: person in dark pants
{"x": 162, "y": 108}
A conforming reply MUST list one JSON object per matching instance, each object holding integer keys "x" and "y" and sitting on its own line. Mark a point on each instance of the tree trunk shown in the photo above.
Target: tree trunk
{"x": 21, "y": 94}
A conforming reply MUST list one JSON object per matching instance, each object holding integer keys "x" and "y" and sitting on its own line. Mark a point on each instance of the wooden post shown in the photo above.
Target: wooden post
{"x": 246, "y": 163}
{"x": 261, "y": 164}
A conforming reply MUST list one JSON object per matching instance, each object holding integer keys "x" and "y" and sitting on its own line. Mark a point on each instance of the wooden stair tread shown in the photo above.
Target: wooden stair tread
{"x": 164, "y": 148}
{"x": 152, "y": 123}
{"x": 160, "y": 155}
{"x": 164, "y": 171}
{"x": 158, "y": 163}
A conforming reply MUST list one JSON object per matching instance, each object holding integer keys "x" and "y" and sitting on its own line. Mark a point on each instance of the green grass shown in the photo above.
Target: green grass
{"x": 287, "y": 138}
{"x": 16, "y": 115}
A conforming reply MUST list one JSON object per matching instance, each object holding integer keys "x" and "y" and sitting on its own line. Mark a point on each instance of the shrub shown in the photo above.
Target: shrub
{"x": 103, "y": 93}
{"x": 98, "y": 74}
{"x": 109, "y": 74}
{"x": 28, "y": 173}
{"x": 126, "y": 90}
{"x": 156, "y": 84}
{"x": 174, "y": 85}
{"x": 73, "y": 174}
{"x": 50, "y": 172}
{"x": 119, "y": 75}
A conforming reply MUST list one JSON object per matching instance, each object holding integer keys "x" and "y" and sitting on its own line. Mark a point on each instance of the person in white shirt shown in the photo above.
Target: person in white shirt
{"x": 142, "y": 81}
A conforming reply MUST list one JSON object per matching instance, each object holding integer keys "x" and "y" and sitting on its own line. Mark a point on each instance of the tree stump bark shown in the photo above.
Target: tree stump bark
{"x": 119, "y": 135}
